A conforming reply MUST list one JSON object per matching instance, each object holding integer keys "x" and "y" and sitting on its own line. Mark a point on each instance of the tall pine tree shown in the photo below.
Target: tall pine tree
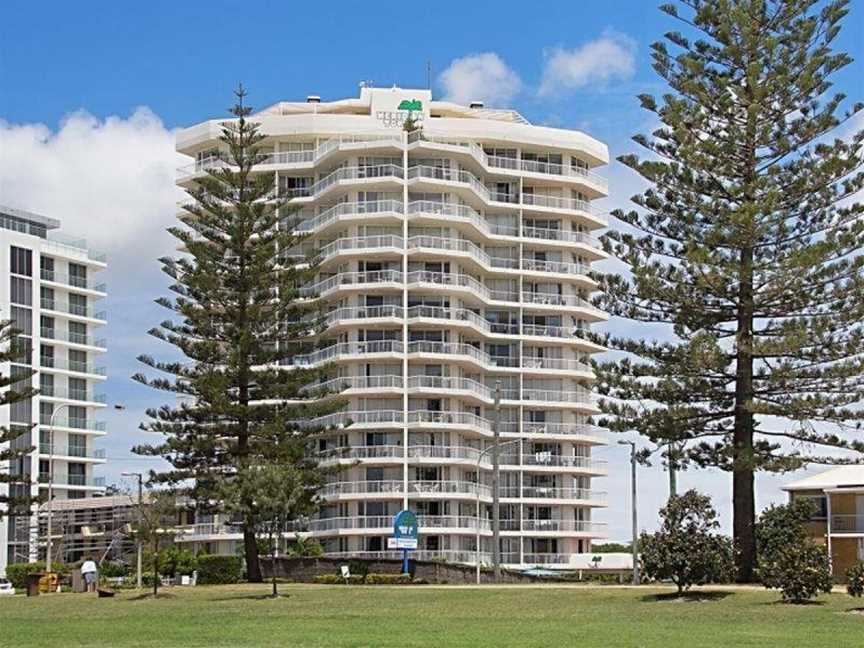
{"x": 748, "y": 246}
{"x": 239, "y": 322}
{"x": 15, "y": 388}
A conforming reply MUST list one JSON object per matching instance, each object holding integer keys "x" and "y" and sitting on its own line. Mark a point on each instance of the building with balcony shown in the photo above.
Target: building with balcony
{"x": 454, "y": 272}
{"x": 839, "y": 519}
{"x": 50, "y": 290}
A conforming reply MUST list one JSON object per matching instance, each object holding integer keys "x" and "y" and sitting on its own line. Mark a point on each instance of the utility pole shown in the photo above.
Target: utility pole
{"x": 496, "y": 507}
{"x": 50, "y": 511}
{"x": 139, "y": 547}
{"x": 635, "y": 530}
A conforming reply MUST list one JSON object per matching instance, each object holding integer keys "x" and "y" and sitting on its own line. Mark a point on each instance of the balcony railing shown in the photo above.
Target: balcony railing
{"x": 50, "y": 362}
{"x": 73, "y": 338}
{"x": 71, "y": 280}
{"x": 568, "y": 236}
{"x": 71, "y": 451}
{"x": 363, "y": 312}
{"x": 460, "y": 213}
{"x": 383, "y": 487}
{"x": 577, "y": 526}
{"x": 53, "y": 391}
{"x": 72, "y": 309}
{"x": 450, "y": 487}
{"x": 366, "y": 243}
{"x": 73, "y": 480}
{"x": 72, "y": 422}
{"x": 847, "y": 523}
{"x": 346, "y": 349}
{"x": 552, "y": 492}
{"x": 333, "y": 214}
{"x": 344, "y": 279}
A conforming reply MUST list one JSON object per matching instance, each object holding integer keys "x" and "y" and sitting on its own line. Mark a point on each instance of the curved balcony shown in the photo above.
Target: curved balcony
{"x": 465, "y": 284}
{"x": 345, "y": 489}
{"x": 385, "y": 522}
{"x": 372, "y": 174}
{"x": 363, "y": 314}
{"x": 377, "y": 280}
{"x": 590, "y": 497}
{"x": 347, "y": 351}
{"x": 364, "y": 245}
{"x": 356, "y": 453}
{"x": 498, "y": 164}
{"x": 563, "y": 526}
{"x": 346, "y": 212}
{"x": 557, "y": 364}
{"x": 456, "y": 213}
{"x": 555, "y": 301}
{"x": 462, "y": 352}
{"x": 358, "y": 418}
{"x": 549, "y": 460}
{"x": 427, "y": 488}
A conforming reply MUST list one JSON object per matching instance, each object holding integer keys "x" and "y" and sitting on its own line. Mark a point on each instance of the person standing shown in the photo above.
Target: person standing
{"x": 90, "y": 572}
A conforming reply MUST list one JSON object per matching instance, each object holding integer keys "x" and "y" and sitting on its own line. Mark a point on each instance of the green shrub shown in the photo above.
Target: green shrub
{"x": 855, "y": 579}
{"x": 358, "y": 567}
{"x": 218, "y": 570}
{"x": 113, "y": 570}
{"x": 17, "y": 572}
{"x": 176, "y": 561}
{"x": 388, "y": 579}
{"x": 336, "y": 579}
{"x": 788, "y": 559}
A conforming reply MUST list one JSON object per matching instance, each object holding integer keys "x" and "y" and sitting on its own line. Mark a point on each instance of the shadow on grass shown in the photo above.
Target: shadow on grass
{"x": 686, "y": 597}
{"x": 253, "y": 597}
{"x": 858, "y": 610}
{"x": 149, "y": 595}
{"x": 794, "y": 603}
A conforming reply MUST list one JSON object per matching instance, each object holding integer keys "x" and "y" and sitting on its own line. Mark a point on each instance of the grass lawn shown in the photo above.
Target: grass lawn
{"x": 429, "y": 616}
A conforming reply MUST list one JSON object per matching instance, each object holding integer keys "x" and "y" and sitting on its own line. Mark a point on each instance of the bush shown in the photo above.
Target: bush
{"x": 177, "y": 561}
{"x": 114, "y": 570}
{"x": 17, "y": 573}
{"x": 218, "y": 570}
{"x": 686, "y": 550}
{"x": 855, "y": 579}
{"x": 788, "y": 558}
{"x": 358, "y": 567}
{"x": 388, "y": 579}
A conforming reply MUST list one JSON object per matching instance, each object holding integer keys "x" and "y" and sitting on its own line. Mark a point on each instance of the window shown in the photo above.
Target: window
{"x": 78, "y": 275}
{"x": 21, "y": 261}
{"x": 77, "y": 445}
{"x": 820, "y": 503}
{"x": 21, "y": 291}
{"x": 46, "y": 265}
{"x": 22, "y": 320}
{"x": 77, "y": 388}
{"x": 78, "y": 332}
{"x": 77, "y": 304}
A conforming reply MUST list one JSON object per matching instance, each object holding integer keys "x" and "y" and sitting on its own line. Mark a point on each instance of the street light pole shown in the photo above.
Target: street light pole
{"x": 477, "y": 536}
{"x": 635, "y": 529}
{"x": 140, "y": 547}
{"x": 50, "y": 511}
{"x": 496, "y": 506}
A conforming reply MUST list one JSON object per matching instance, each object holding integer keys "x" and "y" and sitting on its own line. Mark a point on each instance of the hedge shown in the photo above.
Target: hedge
{"x": 369, "y": 579}
{"x": 218, "y": 570}
{"x": 17, "y": 573}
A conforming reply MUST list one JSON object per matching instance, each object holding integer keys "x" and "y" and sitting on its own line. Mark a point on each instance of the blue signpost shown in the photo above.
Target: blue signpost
{"x": 405, "y": 530}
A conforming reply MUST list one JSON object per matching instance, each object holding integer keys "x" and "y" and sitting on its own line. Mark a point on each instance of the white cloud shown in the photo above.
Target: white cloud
{"x": 482, "y": 77}
{"x": 608, "y": 58}
{"x": 110, "y": 181}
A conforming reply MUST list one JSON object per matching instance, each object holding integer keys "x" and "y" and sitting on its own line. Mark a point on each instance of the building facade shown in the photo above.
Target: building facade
{"x": 455, "y": 275}
{"x": 50, "y": 291}
{"x": 838, "y": 522}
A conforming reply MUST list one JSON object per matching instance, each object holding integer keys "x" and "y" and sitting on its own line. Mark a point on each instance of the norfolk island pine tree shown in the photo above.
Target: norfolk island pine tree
{"x": 747, "y": 247}
{"x": 240, "y": 323}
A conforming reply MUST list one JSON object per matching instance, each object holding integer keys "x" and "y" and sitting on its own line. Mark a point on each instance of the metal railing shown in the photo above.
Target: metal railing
{"x": 71, "y": 451}
{"x": 50, "y": 362}
{"x": 344, "y": 349}
{"x": 72, "y": 309}
{"x": 552, "y": 492}
{"x": 847, "y": 523}
{"x": 54, "y": 391}
{"x": 334, "y": 213}
{"x": 343, "y": 279}
{"x": 382, "y": 487}
{"x": 363, "y": 312}
{"x": 578, "y": 526}
{"x": 360, "y": 243}
{"x": 73, "y": 338}
{"x": 71, "y": 280}
{"x": 74, "y": 423}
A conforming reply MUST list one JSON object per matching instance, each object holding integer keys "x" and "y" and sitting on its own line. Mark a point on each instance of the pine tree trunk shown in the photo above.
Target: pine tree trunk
{"x": 250, "y": 545}
{"x": 743, "y": 504}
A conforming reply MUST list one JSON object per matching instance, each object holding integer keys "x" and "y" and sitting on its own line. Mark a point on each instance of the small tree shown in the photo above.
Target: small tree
{"x": 686, "y": 549}
{"x": 788, "y": 559}
{"x": 278, "y": 493}
{"x": 855, "y": 580}
{"x": 156, "y": 527}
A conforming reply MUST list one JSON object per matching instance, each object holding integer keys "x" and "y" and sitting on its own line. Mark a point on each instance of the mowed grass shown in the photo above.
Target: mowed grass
{"x": 429, "y": 616}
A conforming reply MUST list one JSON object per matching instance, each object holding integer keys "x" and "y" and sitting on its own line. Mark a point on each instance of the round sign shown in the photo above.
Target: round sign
{"x": 405, "y": 525}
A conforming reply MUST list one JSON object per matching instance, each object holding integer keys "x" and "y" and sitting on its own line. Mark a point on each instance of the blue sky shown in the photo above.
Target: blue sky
{"x": 89, "y": 99}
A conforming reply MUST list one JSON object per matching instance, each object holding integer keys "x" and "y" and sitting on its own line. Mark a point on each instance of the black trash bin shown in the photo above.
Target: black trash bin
{"x": 33, "y": 583}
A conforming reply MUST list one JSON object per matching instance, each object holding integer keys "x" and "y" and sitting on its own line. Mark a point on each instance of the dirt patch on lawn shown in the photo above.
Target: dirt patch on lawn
{"x": 686, "y": 597}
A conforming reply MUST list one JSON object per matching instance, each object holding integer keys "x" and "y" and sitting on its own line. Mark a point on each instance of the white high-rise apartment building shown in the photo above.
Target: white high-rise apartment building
{"x": 455, "y": 262}
{"x": 49, "y": 288}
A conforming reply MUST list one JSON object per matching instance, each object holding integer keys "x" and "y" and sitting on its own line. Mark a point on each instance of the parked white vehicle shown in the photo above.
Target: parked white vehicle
{"x": 6, "y": 588}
